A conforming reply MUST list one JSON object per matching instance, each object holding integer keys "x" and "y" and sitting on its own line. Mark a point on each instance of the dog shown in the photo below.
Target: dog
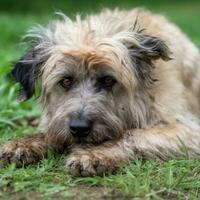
{"x": 115, "y": 86}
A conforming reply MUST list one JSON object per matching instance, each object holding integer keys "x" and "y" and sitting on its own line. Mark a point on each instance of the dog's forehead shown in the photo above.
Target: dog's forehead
{"x": 85, "y": 62}
{"x": 90, "y": 59}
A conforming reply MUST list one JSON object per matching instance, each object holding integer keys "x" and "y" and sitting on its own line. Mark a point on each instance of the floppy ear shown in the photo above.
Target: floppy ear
{"x": 142, "y": 56}
{"x": 152, "y": 48}
{"x": 26, "y": 72}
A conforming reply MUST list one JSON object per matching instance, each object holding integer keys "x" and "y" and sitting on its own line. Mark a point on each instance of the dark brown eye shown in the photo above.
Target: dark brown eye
{"x": 107, "y": 82}
{"x": 66, "y": 82}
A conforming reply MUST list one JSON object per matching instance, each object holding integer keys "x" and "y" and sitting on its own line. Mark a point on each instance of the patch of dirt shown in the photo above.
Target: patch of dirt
{"x": 77, "y": 193}
{"x": 21, "y": 196}
{"x": 96, "y": 193}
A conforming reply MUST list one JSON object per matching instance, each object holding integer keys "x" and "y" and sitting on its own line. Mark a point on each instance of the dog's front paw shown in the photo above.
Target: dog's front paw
{"x": 18, "y": 153}
{"x": 86, "y": 163}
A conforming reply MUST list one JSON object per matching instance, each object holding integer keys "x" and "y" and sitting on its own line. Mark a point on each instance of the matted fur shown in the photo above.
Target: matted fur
{"x": 152, "y": 110}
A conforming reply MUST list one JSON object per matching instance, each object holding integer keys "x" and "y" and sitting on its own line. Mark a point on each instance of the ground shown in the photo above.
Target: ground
{"x": 142, "y": 179}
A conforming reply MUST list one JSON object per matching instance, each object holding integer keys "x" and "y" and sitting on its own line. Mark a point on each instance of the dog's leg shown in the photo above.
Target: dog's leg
{"x": 162, "y": 141}
{"x": 29, "y": 150}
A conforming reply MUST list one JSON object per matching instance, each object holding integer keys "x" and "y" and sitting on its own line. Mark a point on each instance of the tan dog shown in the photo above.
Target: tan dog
{"x": 115, "y": 86}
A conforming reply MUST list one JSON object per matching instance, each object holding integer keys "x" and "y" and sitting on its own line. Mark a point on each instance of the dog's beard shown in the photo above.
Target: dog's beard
{"x": 103, "y": 130}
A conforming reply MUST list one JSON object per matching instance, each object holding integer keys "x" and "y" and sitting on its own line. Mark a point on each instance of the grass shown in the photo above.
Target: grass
{"x": 176, "y": 179}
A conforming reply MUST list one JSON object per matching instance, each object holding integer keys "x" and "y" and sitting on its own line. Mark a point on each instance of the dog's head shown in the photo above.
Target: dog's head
{"x": 94, "y": 80}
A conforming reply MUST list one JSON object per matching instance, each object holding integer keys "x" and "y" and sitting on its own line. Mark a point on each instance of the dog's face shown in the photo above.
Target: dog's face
{"x": 91, "y": 95}
{"x": 83, "y": 97}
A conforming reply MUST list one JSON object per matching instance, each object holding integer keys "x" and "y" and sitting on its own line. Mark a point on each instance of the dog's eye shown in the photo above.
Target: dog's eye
{"x": 66, "y": 82}
{"x": 107, "y": 82}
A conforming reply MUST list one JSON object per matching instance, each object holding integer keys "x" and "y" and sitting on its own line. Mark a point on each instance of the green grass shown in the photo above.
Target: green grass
{"x": 176, "y": 179}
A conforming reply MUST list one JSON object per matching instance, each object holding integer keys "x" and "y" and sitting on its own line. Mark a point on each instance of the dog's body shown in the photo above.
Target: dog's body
{"x": 115, "y": 86}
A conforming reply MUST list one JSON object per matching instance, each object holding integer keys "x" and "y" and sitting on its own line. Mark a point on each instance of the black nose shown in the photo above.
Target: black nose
{"x": 80, "y": 127}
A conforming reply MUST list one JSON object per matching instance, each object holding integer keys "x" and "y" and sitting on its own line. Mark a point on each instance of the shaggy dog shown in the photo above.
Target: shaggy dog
{"x": 114, "y": 86}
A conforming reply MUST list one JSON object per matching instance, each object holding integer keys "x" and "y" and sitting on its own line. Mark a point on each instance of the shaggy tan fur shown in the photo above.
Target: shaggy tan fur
{"x": 152, "y": 110}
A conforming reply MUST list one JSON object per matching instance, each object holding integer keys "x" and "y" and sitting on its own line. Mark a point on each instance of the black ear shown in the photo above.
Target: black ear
{"x": 153, "y": 48}
{"x": 26, "y": 72}
{"x": 142, "y": 56}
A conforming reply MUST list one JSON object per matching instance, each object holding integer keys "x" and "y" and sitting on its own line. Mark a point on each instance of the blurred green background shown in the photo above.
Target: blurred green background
{"x": 72, "y": 6}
